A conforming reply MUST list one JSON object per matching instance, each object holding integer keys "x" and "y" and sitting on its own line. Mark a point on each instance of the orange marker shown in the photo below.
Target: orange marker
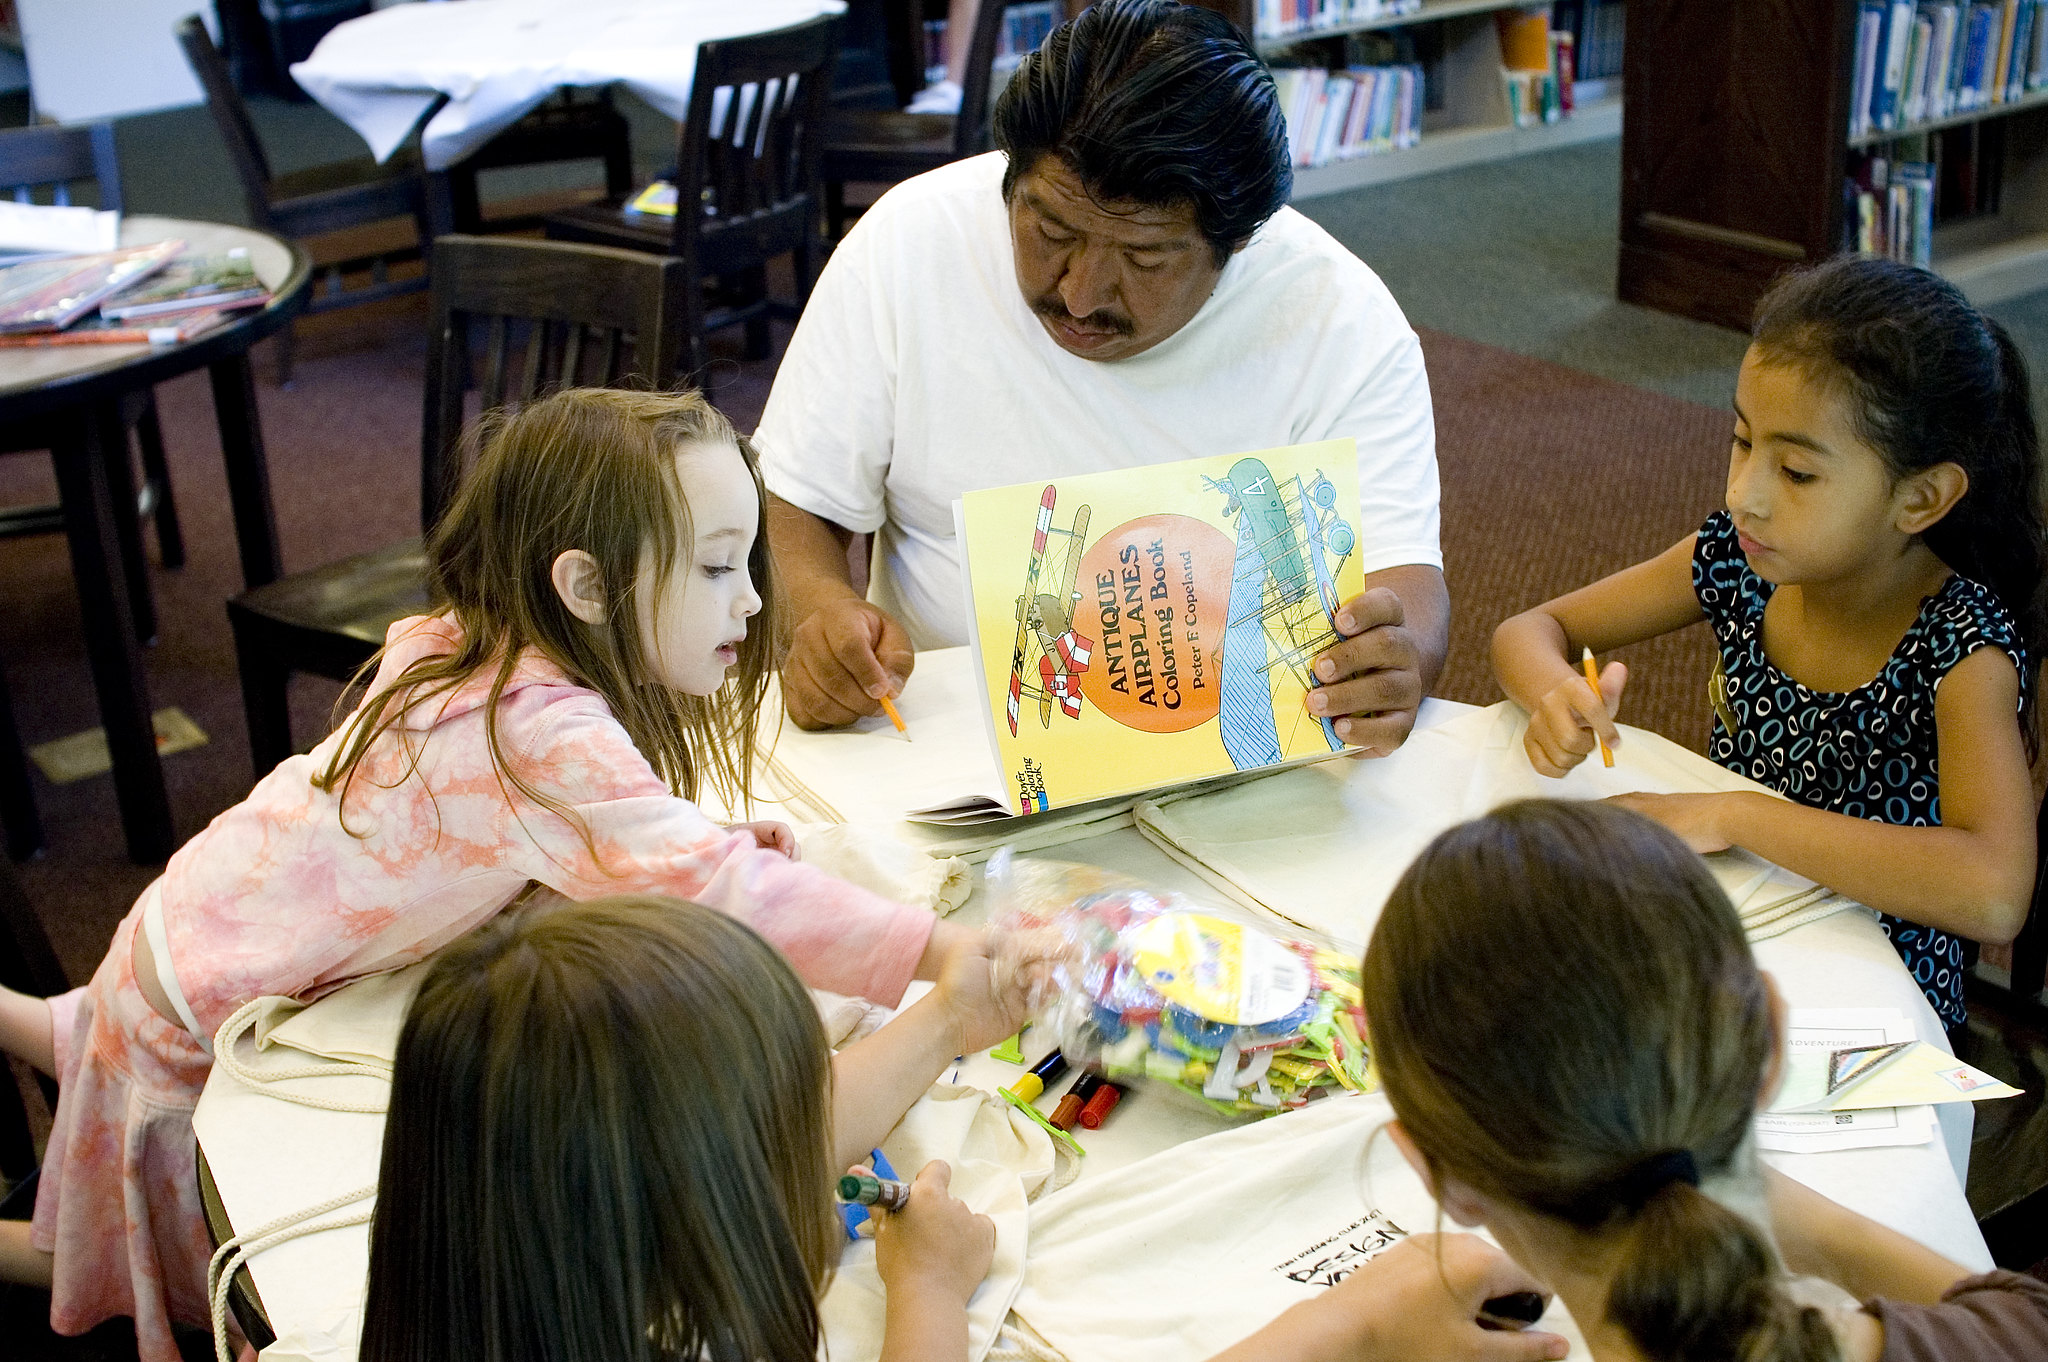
{"x": 1593, "y": 680}
{"x": 897, "y": 719}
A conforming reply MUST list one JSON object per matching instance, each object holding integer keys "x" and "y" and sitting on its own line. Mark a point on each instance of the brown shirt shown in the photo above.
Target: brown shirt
{"x": 1996, "y": 1317}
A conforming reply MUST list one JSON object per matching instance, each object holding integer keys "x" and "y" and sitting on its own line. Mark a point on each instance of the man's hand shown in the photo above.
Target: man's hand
{"x": 1372, "y": 679}
{"x": 843, "y": 658}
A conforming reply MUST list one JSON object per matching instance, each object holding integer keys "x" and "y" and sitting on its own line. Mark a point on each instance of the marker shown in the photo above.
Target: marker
{"x": 1069, "y": 1110}
{"x": 865, "y": 1189}
{"x": 1047, "y": 1070}
{"x": 894, "y": 718}
{"x": 1593, "y": 680}
{"x": 1098, "y": 1107}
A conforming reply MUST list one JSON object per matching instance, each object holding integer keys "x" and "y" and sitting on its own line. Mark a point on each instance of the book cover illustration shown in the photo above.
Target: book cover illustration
{"x": 1151, "y": 626}
{"x": 189, "y": 283}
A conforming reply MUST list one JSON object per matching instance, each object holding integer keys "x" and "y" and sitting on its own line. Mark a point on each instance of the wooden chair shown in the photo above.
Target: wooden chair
{"x": 746, "y": 183}
{"x": 884, "y": 146}
{"x": 53, "y": 159}
{"x": 545, "y": 315}
{"x": 318, "y": 200}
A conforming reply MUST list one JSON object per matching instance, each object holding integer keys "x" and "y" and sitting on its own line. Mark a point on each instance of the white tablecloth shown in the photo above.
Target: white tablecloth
{"x": 496, "y": 59}
{"x": 270, "y": 1158}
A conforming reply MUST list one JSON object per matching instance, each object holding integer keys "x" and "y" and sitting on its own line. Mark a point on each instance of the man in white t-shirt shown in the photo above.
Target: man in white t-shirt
{"x": 1120, "y": 285}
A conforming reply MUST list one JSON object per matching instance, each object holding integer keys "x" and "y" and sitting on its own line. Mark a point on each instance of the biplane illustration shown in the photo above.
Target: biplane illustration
{"x": 1291, "y": 542}
{"x": 1047, "y": 644}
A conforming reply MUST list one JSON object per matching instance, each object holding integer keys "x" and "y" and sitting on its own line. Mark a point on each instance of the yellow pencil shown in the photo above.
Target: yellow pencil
{"x": 897, "y": 719}
{"x": 1593, "y": 680}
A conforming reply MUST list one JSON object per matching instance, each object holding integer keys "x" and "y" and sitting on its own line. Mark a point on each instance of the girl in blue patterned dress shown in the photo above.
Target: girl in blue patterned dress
{"x": 1875, "y": 589}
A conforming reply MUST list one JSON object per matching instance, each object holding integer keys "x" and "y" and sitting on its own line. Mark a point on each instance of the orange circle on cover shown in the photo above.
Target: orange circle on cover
{"x": 1148, "y": 673}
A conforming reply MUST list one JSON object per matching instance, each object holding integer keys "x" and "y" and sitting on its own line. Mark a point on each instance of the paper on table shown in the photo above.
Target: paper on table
{"x": 1894, "y": 1075}
{"x": 26, "y": 227}
{"x": 1818, "y": 1032}
{"x": 1280, "y": 843}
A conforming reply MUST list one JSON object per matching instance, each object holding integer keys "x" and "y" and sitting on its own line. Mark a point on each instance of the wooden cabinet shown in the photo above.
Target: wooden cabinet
{"x": 1736, "y": 150}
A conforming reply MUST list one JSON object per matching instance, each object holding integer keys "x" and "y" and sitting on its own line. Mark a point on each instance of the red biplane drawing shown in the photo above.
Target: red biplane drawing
{"x": 1045, "y": 620}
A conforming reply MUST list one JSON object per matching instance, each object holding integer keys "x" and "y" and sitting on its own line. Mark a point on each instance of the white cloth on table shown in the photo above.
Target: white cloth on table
{"x": 1192, "y": 1249}
{"x": 496, "y": 59}
{"x": 1000, "y": 1160}
{"x": 918, "y": 372}
{"x": 1281, "y": 842}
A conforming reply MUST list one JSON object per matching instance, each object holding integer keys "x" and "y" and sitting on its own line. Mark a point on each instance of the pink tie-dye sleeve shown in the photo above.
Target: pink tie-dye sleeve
{"x": 839, "y": 936}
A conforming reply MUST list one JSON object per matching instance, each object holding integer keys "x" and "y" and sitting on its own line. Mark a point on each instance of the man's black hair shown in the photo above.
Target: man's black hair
{"x": 1155, "y": 103}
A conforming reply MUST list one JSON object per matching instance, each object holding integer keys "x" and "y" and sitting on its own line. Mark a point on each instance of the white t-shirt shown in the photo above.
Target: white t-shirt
{"x": 918, "y": 372}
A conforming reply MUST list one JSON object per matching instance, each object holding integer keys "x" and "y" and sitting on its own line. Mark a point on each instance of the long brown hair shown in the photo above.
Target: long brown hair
{"x": 1566, "y": 1017}
{"x": 607, "y": 1142}
{"x": 591, "y": 469}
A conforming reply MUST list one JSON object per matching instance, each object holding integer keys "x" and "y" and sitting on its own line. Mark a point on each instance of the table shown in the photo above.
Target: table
{"x": 479, "y": 65}
{"x": 271, "y": 1157}
{"x": 78, "y": 389}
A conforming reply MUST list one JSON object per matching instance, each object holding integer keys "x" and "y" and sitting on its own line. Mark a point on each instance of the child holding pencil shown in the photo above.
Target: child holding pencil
{"x": 1875, "y": 591}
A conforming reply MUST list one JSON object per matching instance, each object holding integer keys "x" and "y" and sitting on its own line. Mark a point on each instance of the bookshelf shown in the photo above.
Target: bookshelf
{"x": 1471, "y": 123}
{"x": 1736, "y": 144}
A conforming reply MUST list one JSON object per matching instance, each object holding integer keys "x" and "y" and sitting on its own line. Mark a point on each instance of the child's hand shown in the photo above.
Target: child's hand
{"x": 1564, "y": 722}
{"x": 983, "y": 983}
{"x": 1695, "y": 817}
{"x": 770, "y": 835}
{"x": 1420, "y": 1302}
{"x": 935, "y": 1243}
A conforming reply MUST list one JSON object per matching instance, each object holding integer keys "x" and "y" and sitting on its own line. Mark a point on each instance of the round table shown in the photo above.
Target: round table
{"x": 74, "y": 393}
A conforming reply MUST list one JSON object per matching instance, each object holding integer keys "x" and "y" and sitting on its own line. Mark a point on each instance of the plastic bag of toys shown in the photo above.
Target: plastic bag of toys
{"x": 1144, "y": 982}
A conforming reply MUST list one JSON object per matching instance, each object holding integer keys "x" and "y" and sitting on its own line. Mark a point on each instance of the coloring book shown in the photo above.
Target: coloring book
{"x": 1153, "y": 626}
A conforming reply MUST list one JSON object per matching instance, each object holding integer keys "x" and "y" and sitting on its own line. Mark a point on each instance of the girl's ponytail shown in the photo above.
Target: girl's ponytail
{"x": 1698, "y": 1281}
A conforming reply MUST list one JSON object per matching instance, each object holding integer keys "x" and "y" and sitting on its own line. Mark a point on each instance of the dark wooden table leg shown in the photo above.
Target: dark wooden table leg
{"x": 241, "y": 449}
{"x": 128, "y": 525}
{"x": 116, "y": 658}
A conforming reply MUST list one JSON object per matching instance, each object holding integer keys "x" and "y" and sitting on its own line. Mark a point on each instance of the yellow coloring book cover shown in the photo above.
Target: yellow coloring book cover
{"x": 1152, "y": 626}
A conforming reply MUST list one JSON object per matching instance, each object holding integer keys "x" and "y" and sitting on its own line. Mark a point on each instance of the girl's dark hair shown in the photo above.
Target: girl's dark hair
{"x": 1930, "y": 380}
{"x": 607, "y": 1142}
{"x": 1155, "y": 103}
{"x": 1566, "y": 1017}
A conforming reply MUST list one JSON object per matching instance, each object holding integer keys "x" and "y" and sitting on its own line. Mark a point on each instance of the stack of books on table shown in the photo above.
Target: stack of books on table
{"x": 135, "y": 295}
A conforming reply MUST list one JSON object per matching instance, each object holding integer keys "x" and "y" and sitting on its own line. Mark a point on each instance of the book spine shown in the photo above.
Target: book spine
{"x": 2022, "y": 44}
{"x": 1869, "y": 19}
{"x": 1898, "y": 27}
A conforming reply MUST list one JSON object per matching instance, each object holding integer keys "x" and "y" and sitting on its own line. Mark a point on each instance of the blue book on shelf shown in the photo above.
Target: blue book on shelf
{"x": 1977, "y": 54}
{"x": 1891, "y": 66}
{"x": 2022, "y": 44}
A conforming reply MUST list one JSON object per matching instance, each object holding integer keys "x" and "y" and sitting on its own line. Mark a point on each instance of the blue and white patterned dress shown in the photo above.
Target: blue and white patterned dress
{"x": 1868, "y": 753}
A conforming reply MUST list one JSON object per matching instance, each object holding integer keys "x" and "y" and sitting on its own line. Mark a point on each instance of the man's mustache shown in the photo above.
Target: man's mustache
{"x": 1102, "y": 319}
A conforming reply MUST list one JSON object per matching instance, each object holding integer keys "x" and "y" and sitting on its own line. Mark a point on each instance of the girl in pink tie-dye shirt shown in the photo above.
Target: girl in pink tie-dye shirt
{"x": 607, "y": 632}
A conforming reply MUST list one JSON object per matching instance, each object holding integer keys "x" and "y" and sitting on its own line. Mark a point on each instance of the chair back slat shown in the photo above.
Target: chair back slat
{"x": 231, "y": 116}
{"x": 559, "y": 301}
{"x": 496, "y": 347}
{"x": 748, "y": 157}
{"x": 572, "y": 353}
{"x": 971, "y": 125}
{"x": 58, "y": 157}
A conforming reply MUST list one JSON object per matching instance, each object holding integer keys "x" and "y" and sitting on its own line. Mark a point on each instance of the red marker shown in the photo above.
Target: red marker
{"x": 1069, "y": 1110}
{"x": 1096, "y": 1109}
